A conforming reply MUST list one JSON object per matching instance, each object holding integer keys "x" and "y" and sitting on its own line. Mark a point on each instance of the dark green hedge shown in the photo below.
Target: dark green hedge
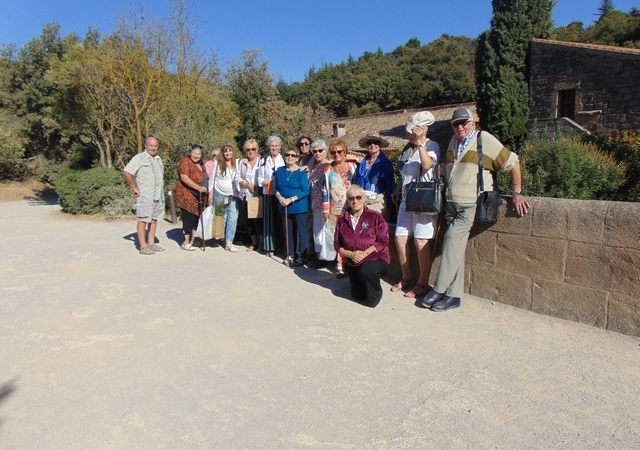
{"x": 93, "y": 191}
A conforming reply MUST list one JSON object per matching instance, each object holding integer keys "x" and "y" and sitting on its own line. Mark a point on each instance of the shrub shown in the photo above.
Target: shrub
{"x": 625, "y": 148}
{"x": 92, "y": 191}
{"x": 567, "y": 168}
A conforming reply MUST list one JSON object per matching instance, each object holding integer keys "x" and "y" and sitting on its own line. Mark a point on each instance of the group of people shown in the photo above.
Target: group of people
{"x": 314, "y": 202}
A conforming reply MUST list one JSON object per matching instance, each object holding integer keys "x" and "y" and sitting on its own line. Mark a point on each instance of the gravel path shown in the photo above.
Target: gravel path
{"x": 103, "y": 348}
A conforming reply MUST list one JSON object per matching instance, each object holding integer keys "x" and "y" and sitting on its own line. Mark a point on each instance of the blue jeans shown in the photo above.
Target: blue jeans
{"x": 230, "y": 215}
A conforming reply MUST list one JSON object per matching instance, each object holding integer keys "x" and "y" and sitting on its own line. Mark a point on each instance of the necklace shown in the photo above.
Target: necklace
{"x": 290, "y": 172}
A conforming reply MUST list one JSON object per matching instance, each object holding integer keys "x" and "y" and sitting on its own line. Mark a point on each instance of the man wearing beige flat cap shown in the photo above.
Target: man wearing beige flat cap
{"x": 462, "y": 193}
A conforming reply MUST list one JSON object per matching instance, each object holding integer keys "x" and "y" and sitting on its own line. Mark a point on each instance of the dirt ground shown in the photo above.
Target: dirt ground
{"x": 103, "y": 348}
{"x": 26, "y": 190}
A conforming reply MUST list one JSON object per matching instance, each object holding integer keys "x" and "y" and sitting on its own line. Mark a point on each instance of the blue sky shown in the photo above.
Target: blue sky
{"x": 293, "y": 36}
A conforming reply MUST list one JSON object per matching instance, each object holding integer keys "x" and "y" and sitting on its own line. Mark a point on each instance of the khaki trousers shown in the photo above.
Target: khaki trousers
{"x": 450, "y": 278}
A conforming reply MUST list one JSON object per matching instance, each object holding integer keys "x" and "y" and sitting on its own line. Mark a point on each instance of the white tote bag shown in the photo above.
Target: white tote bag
{"x": 206, "y": 222}
{"x": 327, "y": 250}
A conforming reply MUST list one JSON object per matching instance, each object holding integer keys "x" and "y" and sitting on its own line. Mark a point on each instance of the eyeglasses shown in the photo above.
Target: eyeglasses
{"x": 337, "y": 152}
{"x": 355, "y": 197}
{"x": 290, "y": 155}
{"x": 319, "y": 150}
{"x": 250, "y": 149}
{"x": 303, "y": 144}
{"x": 457, "y": 124}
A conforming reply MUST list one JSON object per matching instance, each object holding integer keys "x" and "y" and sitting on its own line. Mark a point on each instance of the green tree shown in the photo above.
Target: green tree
{"x": 30, "y": 96}
{"x": 606, "y": 7}
{"x": 613, "y": 27}
{"x": 411, "y": 75}
{"x": 144, "y": 79}
{"x": 501, "y": 66}
{"x": 252, "y": 88}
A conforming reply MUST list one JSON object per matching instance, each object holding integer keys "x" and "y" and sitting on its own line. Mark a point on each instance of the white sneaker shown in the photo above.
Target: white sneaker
{"x": 231, "y": 248}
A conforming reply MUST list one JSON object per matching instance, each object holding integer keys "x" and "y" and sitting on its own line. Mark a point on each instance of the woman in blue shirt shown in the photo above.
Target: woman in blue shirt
{"x": 375, "y": 174}
{"x": 291, "y": 187}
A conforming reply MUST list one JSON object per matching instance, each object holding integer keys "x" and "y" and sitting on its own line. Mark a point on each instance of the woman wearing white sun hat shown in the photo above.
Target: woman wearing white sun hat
{"x": 417, "y": 161}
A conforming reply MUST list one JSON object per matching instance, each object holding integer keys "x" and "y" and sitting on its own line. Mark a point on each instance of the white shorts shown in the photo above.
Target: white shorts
{"x": 418, "y": 225}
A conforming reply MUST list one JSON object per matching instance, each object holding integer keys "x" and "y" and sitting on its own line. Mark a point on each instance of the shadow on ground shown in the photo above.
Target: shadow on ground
{"x": 46, "y": 196}
{"x": 323, "y": 278}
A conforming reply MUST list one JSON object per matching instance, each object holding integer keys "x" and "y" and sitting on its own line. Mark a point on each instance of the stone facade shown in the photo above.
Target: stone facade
{"x": 596, "y": 86}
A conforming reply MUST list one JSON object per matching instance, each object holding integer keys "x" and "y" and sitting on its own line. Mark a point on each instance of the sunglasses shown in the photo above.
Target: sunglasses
{"x": 370, "y": 143}
{"x": 457, "y": 124}
{"x": 355, "y": 197}
{"x": 303, "y": 144}
{"x": 337, "y": 152}
{"x": 250, "y": 149}
{"x": 290, "y": 155}
{"x": 319, "y": 150}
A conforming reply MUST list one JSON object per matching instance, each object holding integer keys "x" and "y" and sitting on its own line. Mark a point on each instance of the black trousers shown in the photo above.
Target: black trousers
{"x": 189, "y": 222}
{"x": 365, "y": 281}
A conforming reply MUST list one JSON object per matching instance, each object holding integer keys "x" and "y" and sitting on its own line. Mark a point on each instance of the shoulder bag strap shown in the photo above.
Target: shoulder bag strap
{"x": 481, "y": 168}
{"x": 480, "y": 182}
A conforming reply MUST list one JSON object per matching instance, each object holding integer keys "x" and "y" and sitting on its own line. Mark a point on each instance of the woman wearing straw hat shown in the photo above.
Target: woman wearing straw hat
{"x": 375, "y": 172}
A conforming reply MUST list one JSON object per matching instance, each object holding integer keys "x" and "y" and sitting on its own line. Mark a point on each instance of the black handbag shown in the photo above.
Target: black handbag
{"x": 425, "y": 196}
{"x": 488, "y": 202}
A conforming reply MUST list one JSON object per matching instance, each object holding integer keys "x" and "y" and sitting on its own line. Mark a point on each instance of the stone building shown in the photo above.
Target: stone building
{"x": 573, "y": 85}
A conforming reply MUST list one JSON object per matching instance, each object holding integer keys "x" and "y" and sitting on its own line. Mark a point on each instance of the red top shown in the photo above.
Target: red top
{"x": 186, "y": 197}
{"x": 371, "y": 229}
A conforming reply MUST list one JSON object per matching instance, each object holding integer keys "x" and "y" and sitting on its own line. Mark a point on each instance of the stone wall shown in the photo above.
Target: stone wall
{"x": 605, "y": 80}
{"x": 574, "y": 259}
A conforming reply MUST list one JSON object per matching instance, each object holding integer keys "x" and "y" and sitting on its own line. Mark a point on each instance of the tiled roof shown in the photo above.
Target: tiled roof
{"x": 604, "y": 48}
{"x": 391, "y": 124}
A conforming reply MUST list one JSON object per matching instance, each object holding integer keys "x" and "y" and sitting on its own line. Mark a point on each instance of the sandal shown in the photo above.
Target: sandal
{"x": 340, "y": 273}
{"x": 250, "y": 248}
{"x": 400, "y": 285}
{"x": 298, "y": 262}
{"x": 146, "y": 250}
{"x": 288, "y": 261}
{"x": 418, "y": 291}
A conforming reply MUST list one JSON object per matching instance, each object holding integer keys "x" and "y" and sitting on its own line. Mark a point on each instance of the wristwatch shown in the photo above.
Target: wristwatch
{"x": 516, "y": 193}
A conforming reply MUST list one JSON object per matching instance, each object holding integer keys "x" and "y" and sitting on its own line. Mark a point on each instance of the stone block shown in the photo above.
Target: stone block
{"x": 575, "y": 220}
{"x": 481, "y": 249}
{"x": 609, "y": 268}
{"x": 576, "y": 303}
{"x": 515, "y": 224}
{"x": 549, "y": 218}
{"x": 507, "y": 288}
{"x": 621, "y": 225}
{"x": 536, "y": 257}
{"x": 624, "y": 314}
